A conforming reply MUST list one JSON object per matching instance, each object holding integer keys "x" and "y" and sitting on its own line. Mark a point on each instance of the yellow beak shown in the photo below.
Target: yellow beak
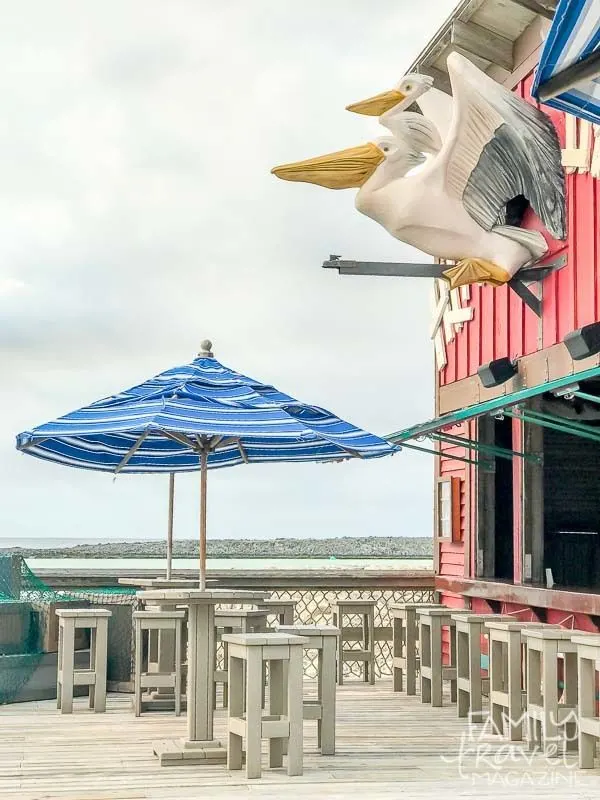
{"x": 377, "y": 105}
{"x": 345, "y": 169}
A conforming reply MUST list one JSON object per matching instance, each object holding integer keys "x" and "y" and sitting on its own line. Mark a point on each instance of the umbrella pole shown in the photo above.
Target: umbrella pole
{"x": 170, "y": 528}
{"x": 203, "y": 475}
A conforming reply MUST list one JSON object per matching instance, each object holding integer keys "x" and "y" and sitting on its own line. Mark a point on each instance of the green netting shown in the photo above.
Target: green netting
{"x": 27, "y": 623}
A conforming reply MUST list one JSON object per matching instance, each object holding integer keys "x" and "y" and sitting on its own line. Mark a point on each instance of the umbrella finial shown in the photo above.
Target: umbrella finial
{"x": 205, "y": 349}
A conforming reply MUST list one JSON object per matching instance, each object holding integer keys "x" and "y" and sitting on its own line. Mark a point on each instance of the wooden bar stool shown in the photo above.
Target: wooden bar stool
{"x": 161, "y": 657}
{"x": 234, "y": 621}
{"x": 366, "y": 636}
{"x": 433, "y": 671}
{"x": 545, "y": 715}
{"x": 323, "y": 639}
{"x": 247, "y": 721}
{"x": 283, "y": 610}
{"x": 588, "y": 657}
{"x": 405, "y": 631}
{"x": 507, "y": 680}
{"x": 95, "y": 676}
{"x": 470, "y": 684}
{"x": 152, "y": 623}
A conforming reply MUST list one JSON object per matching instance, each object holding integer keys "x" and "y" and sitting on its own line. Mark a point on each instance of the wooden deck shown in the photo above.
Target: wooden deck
{"x": 389, "y": 746}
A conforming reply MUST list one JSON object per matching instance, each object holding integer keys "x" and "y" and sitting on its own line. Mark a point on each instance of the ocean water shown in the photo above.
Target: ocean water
{"x": 246, "y": 564}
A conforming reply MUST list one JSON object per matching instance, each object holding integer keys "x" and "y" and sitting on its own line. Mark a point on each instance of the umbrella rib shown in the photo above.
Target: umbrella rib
{"x": 34, "y": 443}
{"x": 131, "y": 451}
{"x": 243, "y": 452}
{"x": 181, "y": 439}
{"x": 203, "y": 443}
{"x": 224, "y": 442}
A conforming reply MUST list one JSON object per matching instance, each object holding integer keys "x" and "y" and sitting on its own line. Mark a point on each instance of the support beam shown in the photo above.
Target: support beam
{"x": 481, "y": 42}
{"x": 385, "y": 268}
{"x": 533, "y": 503}
{"x": 592, "y": 398}
{"x": 435, "y": 452}
{"x": 541, "y": 272}
{"x": 546, "y": 423}
{"x": 526, "y": 295}
{"x": 568, "y": 425}
{"x": 545, "y": 8}
{"x": 566, "y": 79}
{"x": 395, "y": 269}
{"x": 488, "y": 449}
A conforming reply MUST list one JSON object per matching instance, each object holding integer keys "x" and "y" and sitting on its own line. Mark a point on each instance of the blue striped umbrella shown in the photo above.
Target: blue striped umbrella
{"x": 199, "y": 416}
{"x": 568, "y": 73}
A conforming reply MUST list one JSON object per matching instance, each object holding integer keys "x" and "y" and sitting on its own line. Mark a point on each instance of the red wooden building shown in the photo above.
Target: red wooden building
{"x": 518, "y": 476}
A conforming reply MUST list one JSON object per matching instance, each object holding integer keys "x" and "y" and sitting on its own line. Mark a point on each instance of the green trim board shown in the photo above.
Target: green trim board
{"x": 585, "y": 396}
{"x": 485, "y": 449}
{"x": 436, "y": 453}
{"x": 488, "y": 407}
{"x": 556, "y": 423}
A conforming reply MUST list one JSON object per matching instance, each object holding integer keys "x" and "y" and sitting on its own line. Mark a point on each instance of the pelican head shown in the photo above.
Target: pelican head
{"x": 404, "y": 94}
{"x": 387, "y": 157}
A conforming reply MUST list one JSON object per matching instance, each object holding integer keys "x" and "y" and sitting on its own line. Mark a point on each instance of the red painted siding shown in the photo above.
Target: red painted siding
{"x": 452, "y": 554}
{"x": 502, "y": 325}
{"x": 579, "y": 622}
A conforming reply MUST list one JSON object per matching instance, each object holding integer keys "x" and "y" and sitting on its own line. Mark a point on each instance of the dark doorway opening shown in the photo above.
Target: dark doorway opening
{"x": 571, "y": 509}
{"x": 495, "y": 556}
{"x": 503, "y": 495}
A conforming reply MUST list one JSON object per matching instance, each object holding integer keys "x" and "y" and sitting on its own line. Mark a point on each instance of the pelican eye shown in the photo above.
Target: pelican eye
{"x": 385, "y": 148}
{"x": 408, "y": 87}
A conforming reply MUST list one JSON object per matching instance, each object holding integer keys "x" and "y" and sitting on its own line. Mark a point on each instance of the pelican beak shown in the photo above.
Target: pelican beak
{"x": 345, "y": 169}
{"x": 379, "y": 104}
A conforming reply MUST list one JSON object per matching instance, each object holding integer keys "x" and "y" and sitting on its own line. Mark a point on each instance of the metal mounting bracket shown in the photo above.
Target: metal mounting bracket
{"x": 398, "y": 269}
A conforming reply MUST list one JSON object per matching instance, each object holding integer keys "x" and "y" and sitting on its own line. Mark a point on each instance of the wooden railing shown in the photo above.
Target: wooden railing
{"x": 313, "y": 591}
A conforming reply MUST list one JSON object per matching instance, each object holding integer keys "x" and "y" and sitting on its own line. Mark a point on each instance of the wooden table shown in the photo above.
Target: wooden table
{"x": 161, "y": 644}
{"x": 160, "y": 583}
{"x": 199, "y": 747}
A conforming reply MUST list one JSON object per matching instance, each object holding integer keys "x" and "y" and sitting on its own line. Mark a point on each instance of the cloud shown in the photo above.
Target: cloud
{"x": 138, "y": 215}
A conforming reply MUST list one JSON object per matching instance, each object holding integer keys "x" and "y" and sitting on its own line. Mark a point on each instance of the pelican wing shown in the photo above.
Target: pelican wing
{"x": 437, "y": 107}
{"x": 500, "y": 147}
{"x": 417, "y": 133}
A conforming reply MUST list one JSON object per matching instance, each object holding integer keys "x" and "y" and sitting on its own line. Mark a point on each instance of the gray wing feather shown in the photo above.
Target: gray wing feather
{"x": 521, "y": 155}
{"x": 416, "y": 131}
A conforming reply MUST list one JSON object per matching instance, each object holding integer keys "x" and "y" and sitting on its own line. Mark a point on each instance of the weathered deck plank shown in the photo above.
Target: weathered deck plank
{"x": 389, "y": 745}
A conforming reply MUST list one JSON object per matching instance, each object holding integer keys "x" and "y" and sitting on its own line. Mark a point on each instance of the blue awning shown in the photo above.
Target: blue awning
{"x": 568, "y": 75}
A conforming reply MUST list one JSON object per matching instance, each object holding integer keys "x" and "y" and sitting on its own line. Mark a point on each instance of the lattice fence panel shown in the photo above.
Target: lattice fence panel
{"x": 312, "y": 608}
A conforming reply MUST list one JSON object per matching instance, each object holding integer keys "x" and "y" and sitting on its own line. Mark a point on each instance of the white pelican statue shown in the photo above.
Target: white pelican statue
{"x": 413, "y": 88}
{"x": 498, "y": 151}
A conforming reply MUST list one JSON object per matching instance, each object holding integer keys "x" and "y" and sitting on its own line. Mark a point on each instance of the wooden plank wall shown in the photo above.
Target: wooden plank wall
{"x": 452, "y": 554}
{"x": 502, "y": 325}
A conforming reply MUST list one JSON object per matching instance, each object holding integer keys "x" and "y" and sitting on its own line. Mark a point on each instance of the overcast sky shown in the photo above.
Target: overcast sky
{"x": 138, "y": 216}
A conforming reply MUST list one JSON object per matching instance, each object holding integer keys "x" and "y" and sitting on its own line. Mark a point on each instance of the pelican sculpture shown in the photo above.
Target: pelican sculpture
{"x": 413, "y": 88}
{"x": 497, "y": 150}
